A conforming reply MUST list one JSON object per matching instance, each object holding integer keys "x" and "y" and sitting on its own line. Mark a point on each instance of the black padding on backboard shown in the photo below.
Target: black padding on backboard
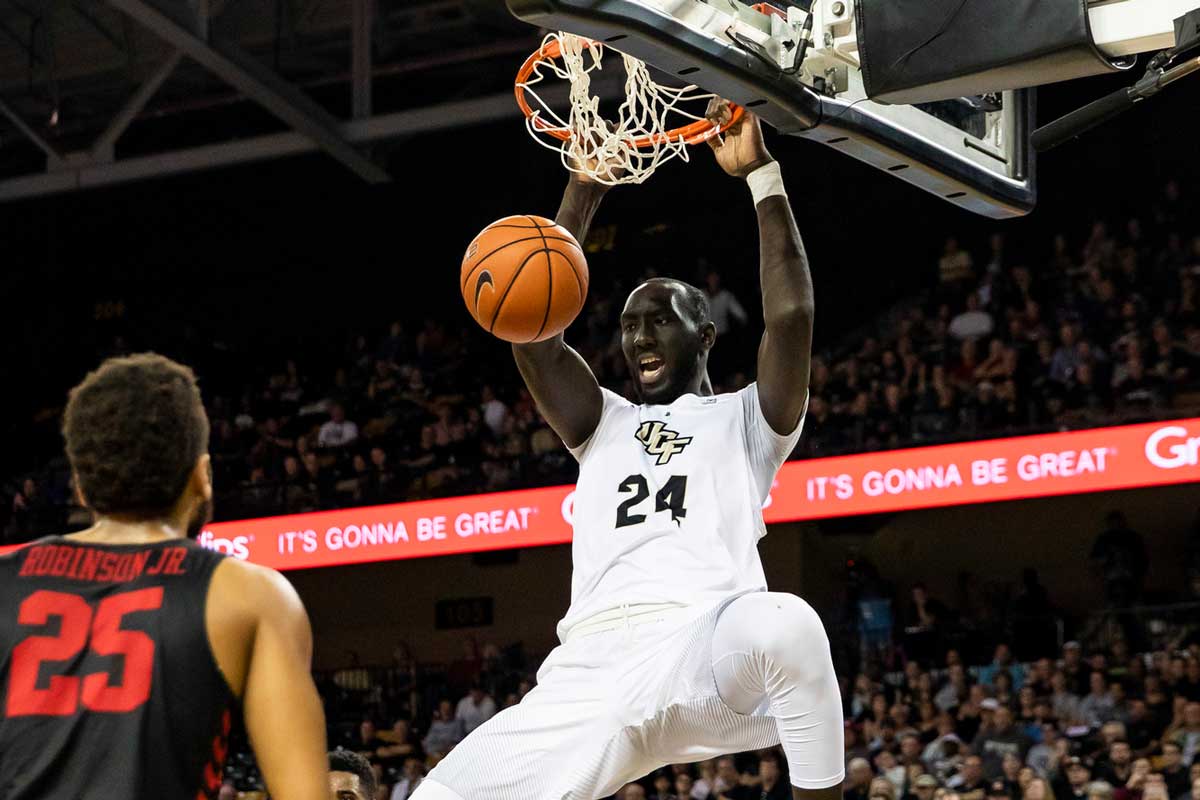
{"x": 918, "y": 51}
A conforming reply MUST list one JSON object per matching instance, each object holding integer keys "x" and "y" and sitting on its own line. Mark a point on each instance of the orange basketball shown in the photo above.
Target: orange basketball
{"x": 524, "y": 278}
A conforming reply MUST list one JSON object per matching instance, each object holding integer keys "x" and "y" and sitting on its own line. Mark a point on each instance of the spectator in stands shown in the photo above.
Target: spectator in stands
{"x": 970, "y": 779}
{"x": 1118, "y": 768}
{"x": 728, "y": 776}
{"x": 954, "y": 692}
{"x": 929, "y": 619}
{"x": 1000, "y": 739}
{"x": 391, "y": 347}
{"x": 1110, "y": 732}
{"x": 1097, "y": 706}
{"x": 910, "y": 748}
{"x": 1119, "y": 555}
{"x": 632, "y": 791}
{"x": 1066, "y": 358}
{"x": 1099, "y": 790}
{"x": 881, "y": 789}
{"x": 702, "y": 786}
{"x": 942, "y": 755}
{"x": 445, "y": 731}
{"x": 319, "y": 481}
{"x": 1155, "y": 788}
{"x": 976, "y": 714}
{"x": 495, "y": 413}
{"x": 410, "y": 779}
{"x": 973, "y": 322}
{"x": 338, "y": 432}
{"x": 24, "y": 523}
{"x": 723, "y": 305}
{"x": 1141, "y": 730}
{"x": 1186, "y": 732}
{"x": 475, "y": 709}
{"x": 1077, "y": 675}
{"x": 1173, "y": 770}
{"x": 1045, "y": 754}
{"x": 351, "y": 777}
{"x": 771, "y": 784}
{"x": 683, "y": 785}
{"x": 1002, "y": 663}
{"x": 999, "y": 790}
{"x": 1073, "y": 780}
{"x": 663, "y": 787}
{"x": 1038, "y": 789}
{"x": 886, "y": 766}
{"x": 401, "y": 744}
{"x": 368, "y": 742}
{"x": 858, "y": 780}
{"x": 955, "y": 268}
{"x": 924, "y": 787}
{"x": 1189, "y": 686}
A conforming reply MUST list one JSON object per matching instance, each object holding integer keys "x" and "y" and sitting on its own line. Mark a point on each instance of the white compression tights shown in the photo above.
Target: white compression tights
{"x": 771, "y": 655}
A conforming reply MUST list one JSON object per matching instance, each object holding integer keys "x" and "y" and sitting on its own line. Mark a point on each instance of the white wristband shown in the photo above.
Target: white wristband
{"x": 766, "y": 181}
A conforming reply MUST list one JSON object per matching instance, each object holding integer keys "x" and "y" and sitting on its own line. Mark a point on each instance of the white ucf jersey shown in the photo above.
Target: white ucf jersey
{"x": 668, "y": 507}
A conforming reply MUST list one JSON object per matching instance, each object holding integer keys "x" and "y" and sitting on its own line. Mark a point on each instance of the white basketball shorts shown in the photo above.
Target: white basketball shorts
{"x": 609, "y": 707}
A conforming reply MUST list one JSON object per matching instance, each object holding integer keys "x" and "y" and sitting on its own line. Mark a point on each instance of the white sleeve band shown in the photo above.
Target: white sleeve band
{"x": 766, "y": 181}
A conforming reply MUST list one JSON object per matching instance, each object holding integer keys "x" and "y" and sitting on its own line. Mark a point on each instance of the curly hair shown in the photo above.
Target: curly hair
{"x": 346, "y": 761}
{"x": 134, "y": 429}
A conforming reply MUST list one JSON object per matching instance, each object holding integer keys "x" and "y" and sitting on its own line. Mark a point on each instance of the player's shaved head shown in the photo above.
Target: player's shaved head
{"x": 695, "y": 302}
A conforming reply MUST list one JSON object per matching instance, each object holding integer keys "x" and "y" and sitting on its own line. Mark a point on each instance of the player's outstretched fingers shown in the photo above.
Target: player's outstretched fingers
{"x": 718, "y": 114}
{"x": 717, "y": 111}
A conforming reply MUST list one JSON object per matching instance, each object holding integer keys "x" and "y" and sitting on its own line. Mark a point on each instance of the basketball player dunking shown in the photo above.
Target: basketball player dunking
{"x": 672, "y": 650}
{"x": 126, "y": 649}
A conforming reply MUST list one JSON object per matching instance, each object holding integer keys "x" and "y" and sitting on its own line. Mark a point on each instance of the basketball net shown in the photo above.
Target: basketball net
{"x": 627, "y": 149}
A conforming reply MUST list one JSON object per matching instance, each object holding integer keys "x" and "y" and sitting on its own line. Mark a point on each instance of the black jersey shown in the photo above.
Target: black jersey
{"x": 108, "y": 684}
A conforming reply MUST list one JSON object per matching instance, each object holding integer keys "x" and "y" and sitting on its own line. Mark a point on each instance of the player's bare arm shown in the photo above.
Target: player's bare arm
{"x": 785, "y": 353}
{"x": 262, "y": 640}
{"x": 562, "y": 384}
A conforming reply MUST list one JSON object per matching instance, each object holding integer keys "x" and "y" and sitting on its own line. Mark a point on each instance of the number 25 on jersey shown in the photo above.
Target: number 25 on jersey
{"x": 81, "y": 626}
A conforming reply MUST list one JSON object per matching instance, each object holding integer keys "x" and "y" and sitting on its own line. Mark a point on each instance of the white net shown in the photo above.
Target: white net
{"x": 624, "y": 150}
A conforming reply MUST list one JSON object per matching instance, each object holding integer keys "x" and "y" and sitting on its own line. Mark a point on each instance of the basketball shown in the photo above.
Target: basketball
{"x": 524, "y": 278}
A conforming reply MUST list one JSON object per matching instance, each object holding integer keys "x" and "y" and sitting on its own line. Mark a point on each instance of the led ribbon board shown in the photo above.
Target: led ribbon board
{"x": 1102, "y": 459}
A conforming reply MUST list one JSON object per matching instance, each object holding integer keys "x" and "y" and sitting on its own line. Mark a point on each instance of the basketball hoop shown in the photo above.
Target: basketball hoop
{"x": 625, "y": 150}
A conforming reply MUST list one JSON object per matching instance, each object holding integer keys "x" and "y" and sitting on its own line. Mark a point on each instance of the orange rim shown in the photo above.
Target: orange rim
{"x": 694, "y": 133}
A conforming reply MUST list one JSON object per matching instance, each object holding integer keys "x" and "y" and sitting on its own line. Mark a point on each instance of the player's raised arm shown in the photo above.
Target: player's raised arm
{"x": 785, "y": 353}
{"x": 562, "y": 384}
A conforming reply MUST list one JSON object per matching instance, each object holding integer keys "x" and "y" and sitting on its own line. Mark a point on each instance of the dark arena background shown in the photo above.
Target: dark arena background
{"x": 1068, "y": 592}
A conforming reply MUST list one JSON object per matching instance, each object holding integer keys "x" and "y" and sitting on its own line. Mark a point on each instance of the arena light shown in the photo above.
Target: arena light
{"x": 1103, "y": 459}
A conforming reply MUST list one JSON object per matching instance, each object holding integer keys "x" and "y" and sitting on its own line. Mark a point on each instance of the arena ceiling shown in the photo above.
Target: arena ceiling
{"x": 94, "y": 92}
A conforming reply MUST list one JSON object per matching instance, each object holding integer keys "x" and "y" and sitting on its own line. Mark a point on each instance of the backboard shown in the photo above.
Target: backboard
{"x": 972, "y": 152}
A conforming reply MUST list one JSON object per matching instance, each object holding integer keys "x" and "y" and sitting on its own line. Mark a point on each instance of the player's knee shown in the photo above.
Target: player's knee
{"x": 786, "y": 631}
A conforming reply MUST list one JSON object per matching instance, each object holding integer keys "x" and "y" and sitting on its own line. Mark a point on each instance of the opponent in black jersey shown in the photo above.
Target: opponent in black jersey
{"x": 127, "y": 649}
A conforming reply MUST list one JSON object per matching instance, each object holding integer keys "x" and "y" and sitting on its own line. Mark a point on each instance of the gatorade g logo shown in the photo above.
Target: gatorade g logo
{"x": 661, "y": 442}
{"x": 1171, "y": 448}
{"x": 484, "y": 279}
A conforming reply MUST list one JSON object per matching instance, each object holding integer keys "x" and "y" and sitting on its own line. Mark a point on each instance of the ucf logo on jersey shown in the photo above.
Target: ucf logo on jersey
{"x": 661, "y": 442}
